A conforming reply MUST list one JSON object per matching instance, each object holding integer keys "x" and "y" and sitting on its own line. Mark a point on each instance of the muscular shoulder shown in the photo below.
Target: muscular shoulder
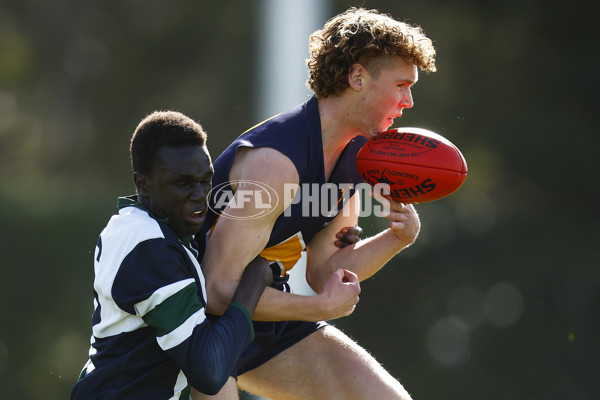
{"x": 270, "y": 169}
{"x": 263, "y": 164}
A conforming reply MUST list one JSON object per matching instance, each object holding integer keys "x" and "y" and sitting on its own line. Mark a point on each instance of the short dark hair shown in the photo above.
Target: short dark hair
{"x": 160, "y": 129}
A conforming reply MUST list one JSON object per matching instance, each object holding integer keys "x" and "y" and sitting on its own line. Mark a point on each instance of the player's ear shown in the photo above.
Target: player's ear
{"x": 356, "y": 73}
{"x": 141, "y": 183}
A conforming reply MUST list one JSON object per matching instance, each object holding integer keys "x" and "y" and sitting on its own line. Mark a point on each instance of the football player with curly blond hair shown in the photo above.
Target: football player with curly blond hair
{"x": 363, "y": 65}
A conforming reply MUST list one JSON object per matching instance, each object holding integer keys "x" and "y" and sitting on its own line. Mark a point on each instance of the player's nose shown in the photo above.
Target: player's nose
{"x": 407, "y": 100}
{"x": 200, "y": 191}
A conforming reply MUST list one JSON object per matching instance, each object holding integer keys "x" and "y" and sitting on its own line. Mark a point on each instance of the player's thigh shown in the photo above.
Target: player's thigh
{"x": 228, "y": 392}
{"x": 325, "y": 365}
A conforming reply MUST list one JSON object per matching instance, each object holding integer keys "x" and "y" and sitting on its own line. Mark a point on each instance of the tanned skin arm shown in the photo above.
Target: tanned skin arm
{"x": 367, "y": 256}
{"x": 236, "y": 241}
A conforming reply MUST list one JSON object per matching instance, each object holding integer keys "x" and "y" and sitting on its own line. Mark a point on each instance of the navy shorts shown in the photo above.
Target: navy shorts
{"x": 271, "y": 338}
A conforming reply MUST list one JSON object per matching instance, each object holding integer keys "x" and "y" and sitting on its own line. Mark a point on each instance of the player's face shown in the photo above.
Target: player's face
{"x": 178, "y": 186}
{"x": 387, "y": 94}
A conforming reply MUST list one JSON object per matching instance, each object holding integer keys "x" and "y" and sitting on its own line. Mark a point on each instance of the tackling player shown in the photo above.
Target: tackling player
{"x": 151, "y": 338}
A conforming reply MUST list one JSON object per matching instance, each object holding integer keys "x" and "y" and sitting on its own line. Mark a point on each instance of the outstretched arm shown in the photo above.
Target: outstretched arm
{"x": 367, "y": 256}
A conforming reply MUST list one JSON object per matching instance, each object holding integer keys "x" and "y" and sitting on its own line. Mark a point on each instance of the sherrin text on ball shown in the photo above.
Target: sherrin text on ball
{"x": 417, "y": 164}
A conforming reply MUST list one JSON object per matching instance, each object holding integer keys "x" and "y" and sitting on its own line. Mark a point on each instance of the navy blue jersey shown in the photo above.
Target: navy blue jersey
{"x": 150, "y": 334}
{"x": 297, "y": 134}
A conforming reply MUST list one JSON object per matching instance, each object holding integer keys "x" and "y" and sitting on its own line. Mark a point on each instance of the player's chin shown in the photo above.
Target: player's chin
{"x": 384, "y": 126}
{"x": 376, "y": 132}
{"x": 196, "y": 224}
{"x": 191, "y": 226}
{"x": 389, "y": 123}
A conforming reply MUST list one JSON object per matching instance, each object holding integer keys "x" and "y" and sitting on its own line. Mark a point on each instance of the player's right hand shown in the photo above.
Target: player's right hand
{"x": 340, "y": 294}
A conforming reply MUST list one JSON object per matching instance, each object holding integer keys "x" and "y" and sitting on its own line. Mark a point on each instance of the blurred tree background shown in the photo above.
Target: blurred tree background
{"x": 498, "y": 299}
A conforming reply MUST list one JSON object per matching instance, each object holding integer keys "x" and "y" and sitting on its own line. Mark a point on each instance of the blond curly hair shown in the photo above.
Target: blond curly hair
{"x": 362, "y": 36}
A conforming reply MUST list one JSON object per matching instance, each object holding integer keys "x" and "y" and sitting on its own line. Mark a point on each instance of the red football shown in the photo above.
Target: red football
{"x": 419, "y": 165}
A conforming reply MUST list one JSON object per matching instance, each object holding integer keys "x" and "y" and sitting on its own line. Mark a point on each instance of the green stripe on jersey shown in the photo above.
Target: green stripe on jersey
{"x": 185, "y": 393}
{"x": 175, "y": 310}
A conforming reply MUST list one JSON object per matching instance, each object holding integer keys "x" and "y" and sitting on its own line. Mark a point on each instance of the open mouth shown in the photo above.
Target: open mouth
{"x": 197, "y": 216}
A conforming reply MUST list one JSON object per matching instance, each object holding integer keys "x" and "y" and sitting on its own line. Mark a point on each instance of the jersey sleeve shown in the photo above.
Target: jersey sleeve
{"x": 157, "y": 283}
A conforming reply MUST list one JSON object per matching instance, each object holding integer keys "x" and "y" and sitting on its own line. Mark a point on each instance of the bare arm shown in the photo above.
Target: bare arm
{"x": 367, "y": 256}
{"x": 236, "y": 241}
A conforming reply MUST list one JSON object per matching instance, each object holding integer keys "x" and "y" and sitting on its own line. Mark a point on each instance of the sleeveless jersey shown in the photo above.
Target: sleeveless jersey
{"x": 297, "y": 134}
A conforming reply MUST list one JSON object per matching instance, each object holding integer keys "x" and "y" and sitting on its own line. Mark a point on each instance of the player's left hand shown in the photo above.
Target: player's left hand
{"x": 348, "y": 236}
{"x": 404, "y": 218}
{"x": 404, "y": 221}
